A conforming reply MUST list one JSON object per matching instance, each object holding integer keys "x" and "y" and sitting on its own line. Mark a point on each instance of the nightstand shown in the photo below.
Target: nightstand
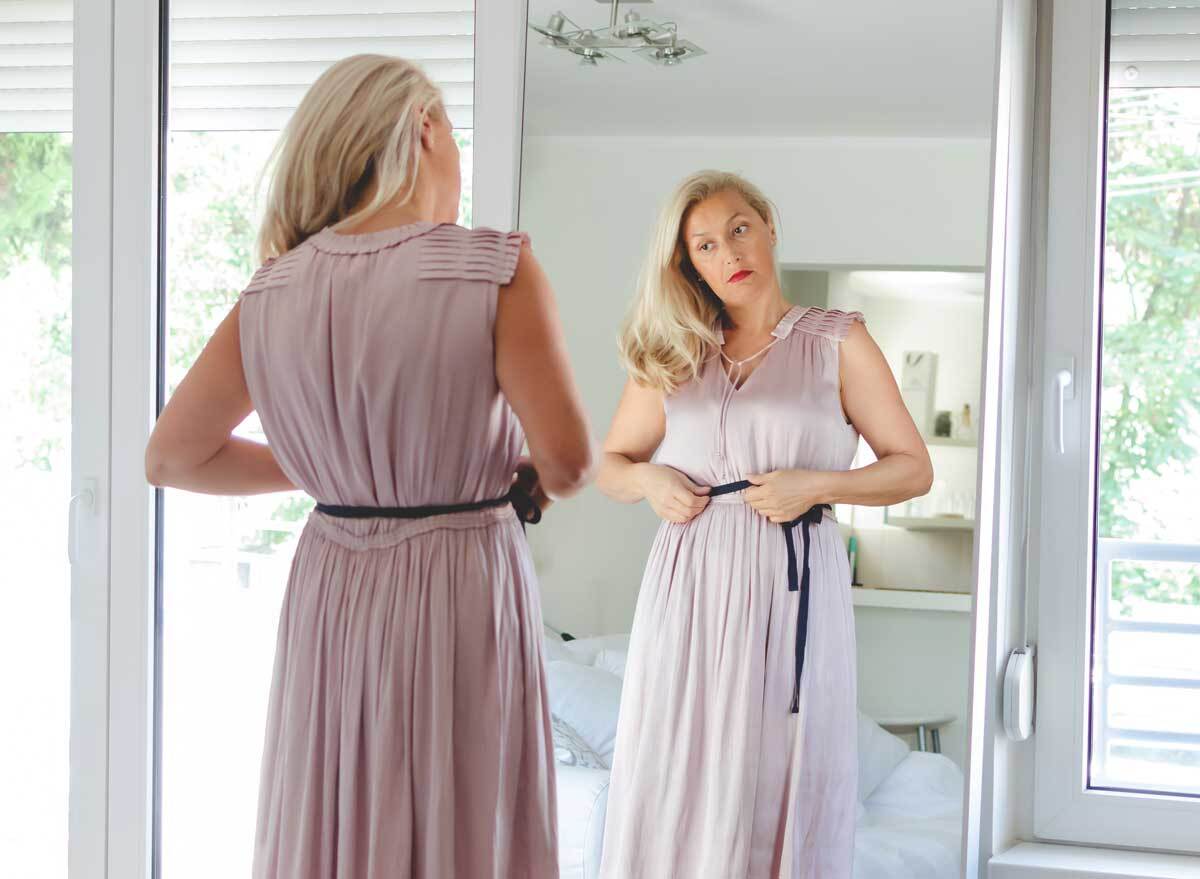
{"x": 924, "y": 725}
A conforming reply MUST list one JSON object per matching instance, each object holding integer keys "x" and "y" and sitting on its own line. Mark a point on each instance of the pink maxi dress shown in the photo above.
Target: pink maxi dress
{"x": 712, "y": 776}
{"x": 408, "y": 731}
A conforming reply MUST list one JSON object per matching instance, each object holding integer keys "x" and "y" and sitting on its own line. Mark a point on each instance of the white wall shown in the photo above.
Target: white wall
{"x": 589, "y": 205}
{"x": 915, "y": 662}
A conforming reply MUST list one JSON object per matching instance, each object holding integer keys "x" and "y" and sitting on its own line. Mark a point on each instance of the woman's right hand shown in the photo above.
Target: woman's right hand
{"x": 672, "y": 495}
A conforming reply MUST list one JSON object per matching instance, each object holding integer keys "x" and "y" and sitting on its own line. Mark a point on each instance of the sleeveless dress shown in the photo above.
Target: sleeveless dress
{"x": 712, "y": 776}
{"x": 408, "y": 730}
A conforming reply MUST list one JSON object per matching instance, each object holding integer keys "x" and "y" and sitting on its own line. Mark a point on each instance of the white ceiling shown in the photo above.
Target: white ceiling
{"x": 785, "y": 67}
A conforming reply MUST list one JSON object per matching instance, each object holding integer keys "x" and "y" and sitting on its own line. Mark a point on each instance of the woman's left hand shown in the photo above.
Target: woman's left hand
{"x": 783, "y": 495}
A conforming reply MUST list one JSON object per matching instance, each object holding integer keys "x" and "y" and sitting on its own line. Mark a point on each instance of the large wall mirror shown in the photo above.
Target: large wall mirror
{"x": 868, "y": 125}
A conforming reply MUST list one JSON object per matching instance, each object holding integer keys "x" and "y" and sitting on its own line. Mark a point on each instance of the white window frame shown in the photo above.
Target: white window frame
{"x": 91, "y": 350}
{"x": 116, "y": 82}
{"x": 1065, "y": 809}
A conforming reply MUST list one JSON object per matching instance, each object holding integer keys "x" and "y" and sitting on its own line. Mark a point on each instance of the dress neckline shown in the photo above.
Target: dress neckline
{"x": 365, "y": 242}
{"x": 782, "y": 328}
{"x": 781, "y": 331}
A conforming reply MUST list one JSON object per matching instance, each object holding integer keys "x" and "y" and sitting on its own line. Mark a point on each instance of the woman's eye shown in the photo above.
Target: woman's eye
{"x": 705, "y": 247}
{"x": 742, "y": 227}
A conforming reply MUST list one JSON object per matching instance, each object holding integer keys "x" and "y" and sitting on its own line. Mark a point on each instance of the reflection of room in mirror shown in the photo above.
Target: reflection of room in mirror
{"x": 878, "y": 164}
{"x": 917, "y": 318}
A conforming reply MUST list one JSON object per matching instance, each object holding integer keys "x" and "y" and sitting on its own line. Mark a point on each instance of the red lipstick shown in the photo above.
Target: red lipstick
{"x": 739, "y": 275}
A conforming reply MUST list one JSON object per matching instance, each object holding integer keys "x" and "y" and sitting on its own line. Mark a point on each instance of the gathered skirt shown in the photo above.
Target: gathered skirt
{"x": 713, "y": 777}
{"x": 408, "y": 731}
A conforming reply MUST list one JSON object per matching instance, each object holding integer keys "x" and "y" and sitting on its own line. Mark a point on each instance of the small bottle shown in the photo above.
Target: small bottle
{"x": 962, "y": 423}
{"x": 854, "y": 561}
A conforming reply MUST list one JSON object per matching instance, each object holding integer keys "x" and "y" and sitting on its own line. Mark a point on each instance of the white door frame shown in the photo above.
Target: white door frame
{"x": 499, "y": 104}
{"x": 1009, "y": 327}
{"x": 91, "y": 347}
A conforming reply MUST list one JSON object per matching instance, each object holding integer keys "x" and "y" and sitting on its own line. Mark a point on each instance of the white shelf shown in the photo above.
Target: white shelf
{"x": 911, "y": 599}
{"x": 947, "y": 441}
{"x": 932, "y": 523}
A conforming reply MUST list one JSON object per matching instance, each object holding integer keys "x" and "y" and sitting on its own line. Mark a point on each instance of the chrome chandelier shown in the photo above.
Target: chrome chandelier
{"x": 656, "y": 42}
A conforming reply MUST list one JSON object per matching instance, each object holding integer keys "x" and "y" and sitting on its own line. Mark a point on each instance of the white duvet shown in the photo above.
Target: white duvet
{"x": 910, "y": 813}
{"x": 911, "y": 825}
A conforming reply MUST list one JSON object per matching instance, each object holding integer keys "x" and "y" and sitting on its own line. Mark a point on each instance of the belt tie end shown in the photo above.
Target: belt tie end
{"x": 797, "y": 582}
{"x": 800, "y": 584}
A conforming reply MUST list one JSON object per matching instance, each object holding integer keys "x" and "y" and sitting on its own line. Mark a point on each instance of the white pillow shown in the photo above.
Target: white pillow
{"x": 612, "y": 660}
{"x": 879, "y": 752}
{"x": 554, "y": 647}
{"x": 588, "y": 699}
{"x": 569, "y": 747}
{"x": 586, "y": 649}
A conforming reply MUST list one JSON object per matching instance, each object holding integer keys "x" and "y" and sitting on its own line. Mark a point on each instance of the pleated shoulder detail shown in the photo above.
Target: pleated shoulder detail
{"x": 833, "y": 323}
{"x": 455, "y": 253}
{"x": 278, "y": 271}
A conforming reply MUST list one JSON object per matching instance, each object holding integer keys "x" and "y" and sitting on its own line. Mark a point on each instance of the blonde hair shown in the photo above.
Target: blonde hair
{"x": 671, "y": 325}
{"x": 359, "y": 122}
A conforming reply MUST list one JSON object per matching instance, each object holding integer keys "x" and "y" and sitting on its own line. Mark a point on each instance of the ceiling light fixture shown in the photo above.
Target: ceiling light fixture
{"x": 656, "y": 42}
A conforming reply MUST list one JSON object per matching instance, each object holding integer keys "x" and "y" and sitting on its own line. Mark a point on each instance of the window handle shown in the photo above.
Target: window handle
{"x": 1062, "y": 381}
{"x": 85, "y": 498}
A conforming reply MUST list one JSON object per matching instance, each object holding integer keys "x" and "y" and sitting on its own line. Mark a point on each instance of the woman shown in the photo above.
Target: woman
{"x": 735, "y": 753}
{"x": 397, "y": 362}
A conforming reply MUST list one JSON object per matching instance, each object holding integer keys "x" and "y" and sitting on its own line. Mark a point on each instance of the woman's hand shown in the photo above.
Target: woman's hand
{"x": 783, "y": 495}
{"x": 672, "y": 495}
{"x": 525, "y": 477}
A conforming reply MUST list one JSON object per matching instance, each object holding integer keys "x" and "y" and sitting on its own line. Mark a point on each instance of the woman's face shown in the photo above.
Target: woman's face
{"x": 732, "y": 247}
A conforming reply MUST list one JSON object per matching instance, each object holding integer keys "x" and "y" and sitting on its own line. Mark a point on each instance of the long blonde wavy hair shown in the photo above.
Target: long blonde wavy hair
{"x": 359, "y": 122}
{"x": 671, "y": 326}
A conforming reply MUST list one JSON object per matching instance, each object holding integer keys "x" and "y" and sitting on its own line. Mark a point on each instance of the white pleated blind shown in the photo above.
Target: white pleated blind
{"x": 1154, "y": 43}
{"x": 239, "y": 66}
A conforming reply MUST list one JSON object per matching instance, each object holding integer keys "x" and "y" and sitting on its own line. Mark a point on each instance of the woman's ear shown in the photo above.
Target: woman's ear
{"x": 427, "y": 131}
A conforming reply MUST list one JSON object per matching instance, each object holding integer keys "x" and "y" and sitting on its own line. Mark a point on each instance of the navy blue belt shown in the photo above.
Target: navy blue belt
{"x": 796, "y": 583}
{"x": 526, "y": 507}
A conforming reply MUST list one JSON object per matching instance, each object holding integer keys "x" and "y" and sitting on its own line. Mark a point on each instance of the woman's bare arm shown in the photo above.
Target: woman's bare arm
{"x": 626, "y": 473}
{"x": 535, "y": 376}
{"x": 637, "y": 429}
{"x": 192, "y": 446}
{"x": 872, "y": 399}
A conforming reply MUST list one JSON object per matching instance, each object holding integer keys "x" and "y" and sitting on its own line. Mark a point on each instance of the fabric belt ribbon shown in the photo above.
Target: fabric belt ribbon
{"x": 526, "y": 507}
{"x": 796, "y": 583}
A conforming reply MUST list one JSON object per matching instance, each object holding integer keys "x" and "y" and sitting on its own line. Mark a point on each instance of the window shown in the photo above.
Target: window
{"x": 35, "y": 435}
{"x": 1118, "y": 557}
{"x": 1146, "y": 663}
{"x": 236, "y": 73}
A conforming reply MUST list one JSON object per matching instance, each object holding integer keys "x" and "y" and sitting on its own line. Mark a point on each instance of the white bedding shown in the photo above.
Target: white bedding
{"x": 912, "y": 823}
{"x": 909, "y": 820}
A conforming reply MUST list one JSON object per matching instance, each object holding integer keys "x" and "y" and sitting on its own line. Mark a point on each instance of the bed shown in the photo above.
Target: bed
{"x": 910, "y": 802}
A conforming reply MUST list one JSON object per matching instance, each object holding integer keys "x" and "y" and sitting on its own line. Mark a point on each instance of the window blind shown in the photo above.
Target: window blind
{"x": 1155, "y": 43}
{"x": 239, "y": 65}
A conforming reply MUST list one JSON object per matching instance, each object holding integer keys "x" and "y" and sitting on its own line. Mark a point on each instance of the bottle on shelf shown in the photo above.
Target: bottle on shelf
{"x": 964, "y": 428}
{"x": 853, "y": 550}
